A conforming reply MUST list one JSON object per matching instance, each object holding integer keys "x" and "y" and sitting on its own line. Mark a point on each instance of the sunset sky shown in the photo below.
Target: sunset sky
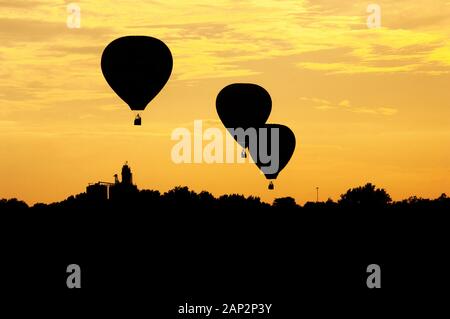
{"x": 366, "y": 105}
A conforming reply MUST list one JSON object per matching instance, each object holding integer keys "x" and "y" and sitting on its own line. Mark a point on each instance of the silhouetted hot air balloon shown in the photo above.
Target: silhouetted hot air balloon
{"x": 243, "y": 105}
{"x": 265, "y": 146}
{"x": 137, "y": 68}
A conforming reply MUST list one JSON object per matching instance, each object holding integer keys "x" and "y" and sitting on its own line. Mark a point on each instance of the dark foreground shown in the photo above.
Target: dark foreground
{"x": 146, "y": 263}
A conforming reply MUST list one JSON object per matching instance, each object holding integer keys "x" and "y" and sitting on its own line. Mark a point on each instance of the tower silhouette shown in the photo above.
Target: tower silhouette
{"x": 127, "y": 176}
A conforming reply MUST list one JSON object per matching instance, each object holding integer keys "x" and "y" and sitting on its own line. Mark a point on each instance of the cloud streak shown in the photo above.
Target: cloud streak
{"x": 347, "y": 106}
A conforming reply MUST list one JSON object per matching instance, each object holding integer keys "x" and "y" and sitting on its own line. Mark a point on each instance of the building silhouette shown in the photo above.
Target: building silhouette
{"x": 127, "y": 176}
{"x": 98, "y": 191}
{"x": 119, "y": 190}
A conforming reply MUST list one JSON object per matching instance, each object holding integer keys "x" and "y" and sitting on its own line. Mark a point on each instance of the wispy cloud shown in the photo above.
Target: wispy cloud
{"x": 347, "y": 106}
{"x": 212, "y": 40}
{"x": 22, "y": 4}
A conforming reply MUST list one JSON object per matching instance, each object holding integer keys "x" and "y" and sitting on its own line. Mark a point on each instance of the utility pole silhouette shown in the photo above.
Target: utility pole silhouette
{"x": 317, "y": 194}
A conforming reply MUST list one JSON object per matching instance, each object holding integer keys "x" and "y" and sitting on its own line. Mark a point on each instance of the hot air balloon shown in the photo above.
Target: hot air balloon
{"x": 243, "y": 105}
{"x": 137, "y": 68}
{"x": 269, "y": 144}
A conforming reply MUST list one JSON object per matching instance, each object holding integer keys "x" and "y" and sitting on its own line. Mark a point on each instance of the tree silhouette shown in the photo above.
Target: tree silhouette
{"x": 12, "y": 205}
{"x": 285, "y": 203}
{"x": 182, "y": 199}
{"x": 367, "y": 196}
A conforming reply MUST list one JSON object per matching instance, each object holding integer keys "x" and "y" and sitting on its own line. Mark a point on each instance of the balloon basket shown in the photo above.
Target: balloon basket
{"x": 138, "y": 121}
{"x": 271, "y": 186}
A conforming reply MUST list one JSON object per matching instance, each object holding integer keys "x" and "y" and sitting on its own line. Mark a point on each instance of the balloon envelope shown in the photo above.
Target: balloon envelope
{"x": 285, "y": 144}
{"x": 137, "y": 68}
{"x": 243, "y": 105}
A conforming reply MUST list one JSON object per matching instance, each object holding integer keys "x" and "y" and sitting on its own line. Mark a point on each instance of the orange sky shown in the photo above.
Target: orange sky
{"x": 365, "y": 104}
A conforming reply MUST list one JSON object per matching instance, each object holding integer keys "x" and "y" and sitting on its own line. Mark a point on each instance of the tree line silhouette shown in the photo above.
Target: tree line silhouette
{"x": 367, "y": 197}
